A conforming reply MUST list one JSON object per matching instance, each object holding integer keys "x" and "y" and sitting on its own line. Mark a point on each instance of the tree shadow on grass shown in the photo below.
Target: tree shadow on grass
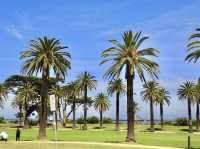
{"x": 99, "y": 127}
{"x": 113, "y": 141}
{"x": 187, "y": 130}
{"x": 155, "y": 129}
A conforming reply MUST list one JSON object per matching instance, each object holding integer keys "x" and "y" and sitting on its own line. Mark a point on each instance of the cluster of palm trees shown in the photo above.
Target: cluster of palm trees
{"x": 189, "y": 90}
{"x": 155, "y": 94}
{"x": 46, "y": 57}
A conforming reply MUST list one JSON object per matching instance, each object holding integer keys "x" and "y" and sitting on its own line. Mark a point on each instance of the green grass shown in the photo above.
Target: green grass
{"x": 36, "y": 145}
{"x": 173, "y": 136}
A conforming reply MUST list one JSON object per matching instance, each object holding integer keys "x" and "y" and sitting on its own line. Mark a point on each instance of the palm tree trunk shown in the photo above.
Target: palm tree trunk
{"x": 59, "y": 111}
{"x": 64, "y": 114}
{"x": 197, "y": 116}
{"x": 74, "y": 114}
{"x": 43, "y": 105}
{"x": 161, "y": 116}
{"x": 56, "y": 119}
{"x": 151, "y": 116}
{"x": 117, "y": 112}
{"x": 130, "y": 109}
{"x": 56, "y": 112}
{"x": 101, "y": 118}
{"x": 189, "y": 116}
{"x": 85, "y": 108}
{"x": 20, "y": 116}
{"x": 25, "y": 114}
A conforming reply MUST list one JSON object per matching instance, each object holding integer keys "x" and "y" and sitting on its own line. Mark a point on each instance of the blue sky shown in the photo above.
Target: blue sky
{"x": 86, "y": 26}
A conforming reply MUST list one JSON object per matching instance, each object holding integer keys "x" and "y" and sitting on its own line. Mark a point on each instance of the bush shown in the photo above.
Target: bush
{"x": 90, "y": 120}
{"x": 93, "y": 120}
{"x": 32, "y": 122}
{"x": 107, "y": 120}
{"x": 168, "y": 123}
{"x": 2, "y": 120}
{"x": 80, "y": 120}
{"x": 181, "y": 122}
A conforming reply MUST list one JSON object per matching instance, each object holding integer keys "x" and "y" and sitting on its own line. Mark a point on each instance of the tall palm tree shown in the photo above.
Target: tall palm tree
{"x": 116, "y": 86}
{"x": 74, "y": 93}
{"x": 26, "y": 93}
{"x": 101, "y": 104}
{"x": 150, "y": 94}
{"x": 197, "y": 100}
{"x": 187, "y": 91}
{"x": 86, "y": 81}
{"x": 193, "y": 47}
{"x": 163, "y": 98}
{"x": 3, "y": 94}
{"x": 18, "y": 103}
{"x": 135, "y": 60}
{"x": 45, "y": 54}
{"x": 58, "y": 92}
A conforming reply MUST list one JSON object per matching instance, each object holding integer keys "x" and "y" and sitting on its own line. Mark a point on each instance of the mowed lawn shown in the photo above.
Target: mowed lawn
{"x": 173, "y": 136}
{"x": 36, "y": 145}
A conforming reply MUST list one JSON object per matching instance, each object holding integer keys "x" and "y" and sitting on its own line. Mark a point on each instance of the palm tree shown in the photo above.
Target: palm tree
{"x": 3, "y": 94}
{"x": 18, "y": 103}
{"x": 194, "y": 47}
{"x": 162, "y": 99}
{"x": 150, "y": 94}
{"x": 45, "y": 54}
{"x": 197, "y": 104}
{"x": 86, "y": 81}
{"x": 194, "y": 53}
{"x": 187, "y": 92}
{"x": 58, "y": 92}
{"x": 116, "y": 86}
{"x": 128, "y": 55}
{"x": 74, "y": 93}
{"x": 101, "y": 104}
{"x": 26, "y": 93}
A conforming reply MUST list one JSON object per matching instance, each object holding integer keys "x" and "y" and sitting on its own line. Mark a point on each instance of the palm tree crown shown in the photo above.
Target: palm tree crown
{"x": 187, "y": 91}
{"x": 45, "y": 54}
{"x": 163, "y": 96}
{"x": 194, "y": 47}
{"x": 150, "y": 91}
{"x": 57, "y": 91}
{"x": 86, "y": 79}
{"x": 129, "y": 53}
{"x": 101, "y": 102}
{"x": 116, "y": 85}
{"x": 27, "y": 92}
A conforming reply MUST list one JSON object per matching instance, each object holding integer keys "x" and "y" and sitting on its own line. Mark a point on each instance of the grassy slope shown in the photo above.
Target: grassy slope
{"x": 173, "y": 136}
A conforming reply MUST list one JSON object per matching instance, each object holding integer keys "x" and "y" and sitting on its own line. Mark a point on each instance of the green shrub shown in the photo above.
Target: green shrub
{"x": 80, "y": 120}
{"x": 92, "y": 120}
{"x": 168, "y": 123}
{"x": 181, "y": 122}
{"x": 107, "y": 120}
{"x": 32, "y": 122}
{"x": 2, "y": 120}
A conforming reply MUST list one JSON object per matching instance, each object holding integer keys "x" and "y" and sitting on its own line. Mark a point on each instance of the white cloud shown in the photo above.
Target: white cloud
{"x": 13, "y": 30}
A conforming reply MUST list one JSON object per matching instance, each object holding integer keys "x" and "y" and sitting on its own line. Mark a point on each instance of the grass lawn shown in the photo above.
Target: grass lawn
{"x": 36, "y": 145}
{"x": 172, "y": 136}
